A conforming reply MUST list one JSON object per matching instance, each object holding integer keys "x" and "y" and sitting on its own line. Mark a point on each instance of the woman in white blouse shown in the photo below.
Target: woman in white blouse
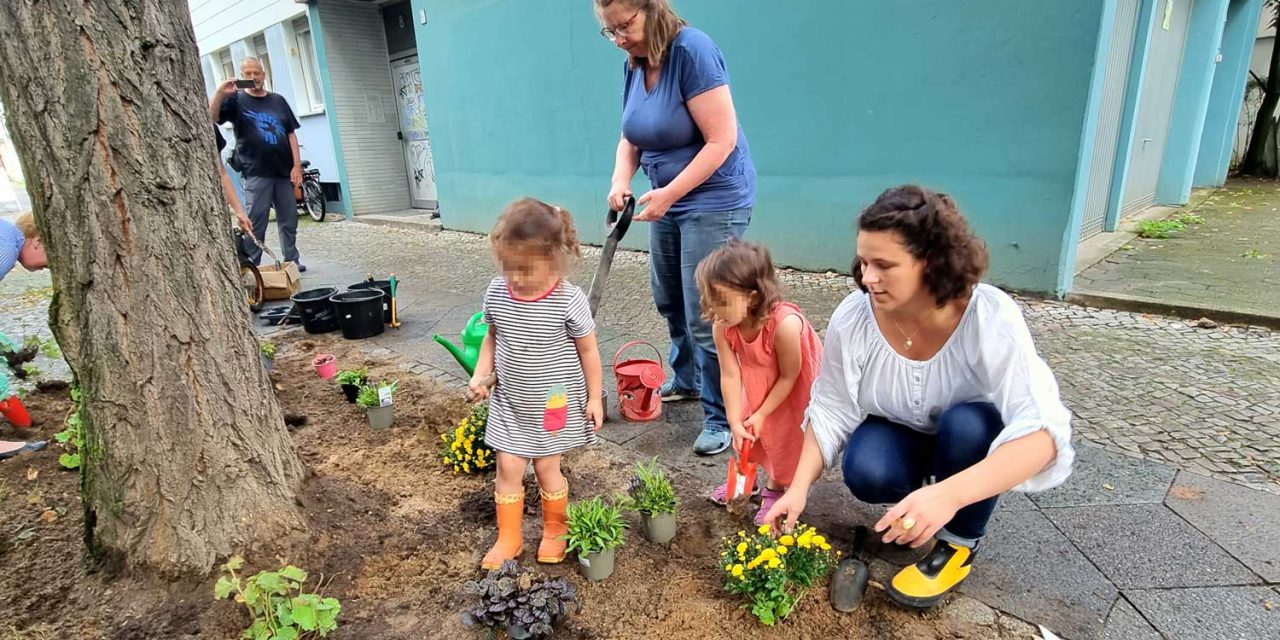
{"x": 931, "y": 394}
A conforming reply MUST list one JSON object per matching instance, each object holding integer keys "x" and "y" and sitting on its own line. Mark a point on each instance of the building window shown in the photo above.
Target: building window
{"x": 260, "y": 52}
{"x": 309, "y": 69}
{"x": 223, "y": 67}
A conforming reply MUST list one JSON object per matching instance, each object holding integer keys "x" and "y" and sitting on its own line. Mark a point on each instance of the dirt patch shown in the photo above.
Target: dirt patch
{"x": 393, "y": 535}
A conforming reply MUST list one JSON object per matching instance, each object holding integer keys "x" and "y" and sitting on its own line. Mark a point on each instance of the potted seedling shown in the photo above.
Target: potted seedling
{"x": 267, "y": 352}
{"x": 595, "y": 532}
{"x": 652, "y": 495}
{"x": 351, "y": 380}
{"x": 376, "y": 400}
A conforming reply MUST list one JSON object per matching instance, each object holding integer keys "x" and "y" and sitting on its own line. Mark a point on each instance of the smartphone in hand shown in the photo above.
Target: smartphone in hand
{"x": 245, "y": 84}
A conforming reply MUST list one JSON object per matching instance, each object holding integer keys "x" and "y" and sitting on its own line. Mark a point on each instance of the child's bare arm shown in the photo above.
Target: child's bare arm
{"x": 589, "y": 356}
{"x": 786, "y": 348}
{"x": 730, "y": 376}
{"x": 484, "y": 376}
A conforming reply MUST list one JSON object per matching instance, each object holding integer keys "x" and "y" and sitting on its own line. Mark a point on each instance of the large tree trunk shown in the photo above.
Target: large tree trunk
{"x": 1260, "y": 156}
{"x": 185, "y": 456}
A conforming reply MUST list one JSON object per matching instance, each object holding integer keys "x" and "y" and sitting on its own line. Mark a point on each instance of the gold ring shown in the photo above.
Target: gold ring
{"x": 907, "y": 523}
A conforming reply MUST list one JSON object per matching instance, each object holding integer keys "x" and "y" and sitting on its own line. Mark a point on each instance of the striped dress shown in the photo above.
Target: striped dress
{"x": 539, "y": 405}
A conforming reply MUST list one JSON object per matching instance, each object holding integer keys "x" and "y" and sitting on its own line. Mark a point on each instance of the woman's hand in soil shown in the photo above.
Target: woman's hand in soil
{"x": 595, "y": 413}
{"x": 926, "y": 510}
{"x": 788, "y": 509}
{"x": 740, "y": 432}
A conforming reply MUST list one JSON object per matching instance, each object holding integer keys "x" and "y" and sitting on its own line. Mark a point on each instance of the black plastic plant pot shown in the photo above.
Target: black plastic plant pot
{"x": 318, "y": 313}
{"x": 382, "y": 285}
{"x": 351, "y": 391}
{"x": 359, "y": 313}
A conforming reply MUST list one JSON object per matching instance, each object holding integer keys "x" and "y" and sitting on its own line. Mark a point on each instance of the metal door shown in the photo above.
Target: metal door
{"x": 1111, "y": 111}
{"x": 411, "y": 106}
{"x": 1155, "y": 103}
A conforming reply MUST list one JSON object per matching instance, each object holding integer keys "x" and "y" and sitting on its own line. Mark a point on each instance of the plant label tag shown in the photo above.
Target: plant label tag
{"x": 384, "y": 397}
{"x": 585, "y": 562}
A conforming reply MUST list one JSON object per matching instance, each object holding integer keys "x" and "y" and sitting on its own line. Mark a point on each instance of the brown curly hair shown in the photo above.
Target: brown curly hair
{"x": 934, "y": 231}
{"x": 745, "y": 267}
{"x": 531, "y": 224}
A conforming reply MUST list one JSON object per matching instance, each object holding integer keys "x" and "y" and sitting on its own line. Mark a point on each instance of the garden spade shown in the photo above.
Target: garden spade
{"x": 742, "y": 478}
{"x": 395, "y": 316}
{"x": 616, "y": 224}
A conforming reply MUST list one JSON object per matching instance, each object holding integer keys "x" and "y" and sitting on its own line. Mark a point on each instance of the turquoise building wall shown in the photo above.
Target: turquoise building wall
{"x": 839, "y": 99}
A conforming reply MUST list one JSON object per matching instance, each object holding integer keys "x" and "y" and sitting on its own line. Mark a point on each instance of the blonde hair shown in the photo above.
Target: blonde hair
{"x": 531, "y": 224}
{"x": 661, "y": 25}
{"x": 742, "y": 266}
{"x": 27, "y": 223}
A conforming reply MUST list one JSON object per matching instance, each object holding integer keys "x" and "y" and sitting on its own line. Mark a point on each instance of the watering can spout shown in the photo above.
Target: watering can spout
{"x": 472, "y": 338}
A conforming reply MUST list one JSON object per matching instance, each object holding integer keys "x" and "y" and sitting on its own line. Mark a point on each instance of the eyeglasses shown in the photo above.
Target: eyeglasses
{"x": 612, "y": 34}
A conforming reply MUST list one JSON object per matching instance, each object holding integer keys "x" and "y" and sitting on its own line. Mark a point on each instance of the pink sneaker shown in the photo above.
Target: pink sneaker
{"x": 720, "y": 494}
{"x": 767, "y": 498}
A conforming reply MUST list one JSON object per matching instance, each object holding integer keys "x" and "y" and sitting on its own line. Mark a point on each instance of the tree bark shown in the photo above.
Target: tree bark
{"x": 1259, "y": 156}
{"x": 185, "y": 456}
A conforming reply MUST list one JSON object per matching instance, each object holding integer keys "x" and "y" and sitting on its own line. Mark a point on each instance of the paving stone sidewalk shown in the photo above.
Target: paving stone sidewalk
{"x": 1169, "y": 528}
{"x": 1227, "y": 259}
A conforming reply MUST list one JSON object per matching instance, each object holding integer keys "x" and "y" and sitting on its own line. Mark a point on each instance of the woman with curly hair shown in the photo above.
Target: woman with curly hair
{"x": 931, "y": 395}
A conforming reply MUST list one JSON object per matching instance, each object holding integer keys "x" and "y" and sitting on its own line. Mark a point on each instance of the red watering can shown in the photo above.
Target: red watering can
{"x": 638, "y": 384}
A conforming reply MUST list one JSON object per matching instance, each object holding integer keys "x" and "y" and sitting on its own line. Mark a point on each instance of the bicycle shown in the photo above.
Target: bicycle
{"x": 310, "y": 196}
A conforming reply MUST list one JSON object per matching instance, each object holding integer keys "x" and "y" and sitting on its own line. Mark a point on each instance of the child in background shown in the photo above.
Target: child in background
{"x": 775, "y": 358}
{"x": 542, "y": 348}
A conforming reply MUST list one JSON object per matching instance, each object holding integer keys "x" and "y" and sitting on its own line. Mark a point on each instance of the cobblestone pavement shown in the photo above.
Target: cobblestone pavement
{"x": 1228, "y": 259}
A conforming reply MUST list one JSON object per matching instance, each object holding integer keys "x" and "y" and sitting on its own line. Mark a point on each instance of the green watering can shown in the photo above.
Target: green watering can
{"x": 472, "y": 337}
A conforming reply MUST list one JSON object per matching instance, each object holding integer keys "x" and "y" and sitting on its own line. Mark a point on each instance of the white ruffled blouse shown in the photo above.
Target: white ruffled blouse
{"x": 990, "y": 357}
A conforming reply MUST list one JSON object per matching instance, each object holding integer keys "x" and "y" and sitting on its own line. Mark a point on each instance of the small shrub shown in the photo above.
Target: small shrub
{"x": 268, "y": 349}
{"x": 464, "y": 449}
{"x": 276, "y": 602}
{"x": 595, "y": 526}
{"x": 355, "y": 377}
{"x": 651, "y": 491}
{"x": 369, "y": 397}
{"x": 1159, "y": 229}
{"x": 774, "y": 574}
{"x": 513, "y": 599}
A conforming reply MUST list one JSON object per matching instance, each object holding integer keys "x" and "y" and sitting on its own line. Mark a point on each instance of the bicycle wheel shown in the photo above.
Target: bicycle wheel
{"x": 252, "y": 286}
{"x": 313, "y": 201}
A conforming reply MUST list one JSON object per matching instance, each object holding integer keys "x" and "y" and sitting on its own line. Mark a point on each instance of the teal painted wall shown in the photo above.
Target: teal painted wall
{"x": 1214, "y": 158}
{"x": 1191, "y": 105}
{"x": 839, "y": 99}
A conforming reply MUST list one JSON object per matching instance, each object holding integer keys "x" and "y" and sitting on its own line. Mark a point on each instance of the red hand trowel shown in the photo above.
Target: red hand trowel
{"x": 742, "y": 477}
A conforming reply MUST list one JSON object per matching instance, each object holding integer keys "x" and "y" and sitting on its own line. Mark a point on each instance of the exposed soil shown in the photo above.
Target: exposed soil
{"x": 394, "y": 536}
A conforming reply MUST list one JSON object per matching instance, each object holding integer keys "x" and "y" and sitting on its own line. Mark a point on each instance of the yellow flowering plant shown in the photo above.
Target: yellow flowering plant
{"x": 775, "y": 573}
{"x": 464, "y": 450}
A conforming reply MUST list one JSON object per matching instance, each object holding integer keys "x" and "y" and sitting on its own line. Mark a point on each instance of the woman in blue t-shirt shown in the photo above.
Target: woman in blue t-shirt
{"x": 678, "y": 123}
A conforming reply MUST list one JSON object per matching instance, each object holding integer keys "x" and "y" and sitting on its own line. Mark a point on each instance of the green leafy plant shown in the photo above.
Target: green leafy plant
{"x": 651, "y": 491}
{"x": 515, "y": 600}
{"x": 595, "y": 525}
{"x": 775, "y": 573}
{"x": 280, "y": 609}
{"x": 369, "y": 397}
{"x": 355, "y": 377}
{"x": 30, "y": 370}
{"x": 268, "y": 349}
{"x": 1190, "y": 218}
{"x": 1159, "y": 229}
{"x": 1252, "y": 253}
{"x": 71, "y": 437}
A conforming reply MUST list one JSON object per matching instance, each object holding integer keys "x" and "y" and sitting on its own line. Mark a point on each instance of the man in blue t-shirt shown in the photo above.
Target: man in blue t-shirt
{"x": 267, "y": 152}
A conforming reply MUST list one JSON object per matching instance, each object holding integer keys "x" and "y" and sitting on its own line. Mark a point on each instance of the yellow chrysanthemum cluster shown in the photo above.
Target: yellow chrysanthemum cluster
{"x": 773, "y": 572}
{"x": 464, "y": 449}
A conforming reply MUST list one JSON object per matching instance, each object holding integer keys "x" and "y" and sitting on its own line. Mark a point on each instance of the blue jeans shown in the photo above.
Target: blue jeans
{"x": 885, "y": 461}
{"x": 677, "y": 243}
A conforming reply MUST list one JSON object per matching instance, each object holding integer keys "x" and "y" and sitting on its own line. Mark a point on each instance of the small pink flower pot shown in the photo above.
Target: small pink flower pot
{"x": 326, "y": 365}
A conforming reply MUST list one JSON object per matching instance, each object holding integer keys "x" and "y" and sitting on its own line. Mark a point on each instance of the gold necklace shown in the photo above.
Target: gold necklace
{"x": 904, "y": 333}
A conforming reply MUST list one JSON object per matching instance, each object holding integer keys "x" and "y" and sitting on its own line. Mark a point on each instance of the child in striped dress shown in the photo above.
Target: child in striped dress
{"x": 542, "y": 348}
